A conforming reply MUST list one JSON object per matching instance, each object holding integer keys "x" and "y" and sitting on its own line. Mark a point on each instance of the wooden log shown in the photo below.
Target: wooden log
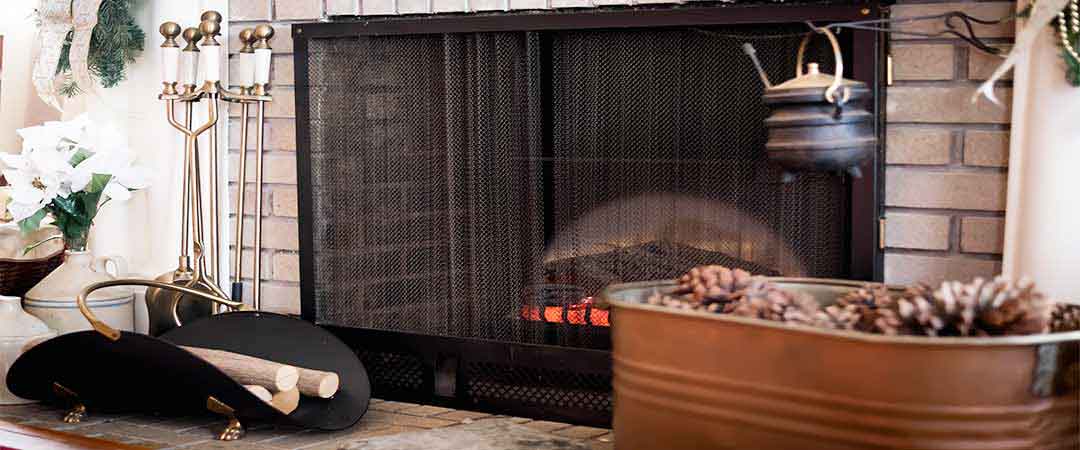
{"x": 316, "y": 383}
{"x": 246, "y": 370}
{"x": 286, "y": 401}
{"x": 260, "y": 392}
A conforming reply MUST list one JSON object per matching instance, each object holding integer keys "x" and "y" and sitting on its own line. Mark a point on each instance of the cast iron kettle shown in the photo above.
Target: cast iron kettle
{"x": 818, "y": 121}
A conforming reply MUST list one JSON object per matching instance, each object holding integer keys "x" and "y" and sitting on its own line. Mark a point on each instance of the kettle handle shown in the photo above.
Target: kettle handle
{"x": 830, "y": 92}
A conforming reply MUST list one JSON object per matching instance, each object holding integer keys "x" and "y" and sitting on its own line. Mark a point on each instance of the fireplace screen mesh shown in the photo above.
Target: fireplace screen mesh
{"x": 465, "y": 184}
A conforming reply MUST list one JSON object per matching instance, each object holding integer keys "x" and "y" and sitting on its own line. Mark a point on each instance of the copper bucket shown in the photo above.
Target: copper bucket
{"x": 693, "y": 380}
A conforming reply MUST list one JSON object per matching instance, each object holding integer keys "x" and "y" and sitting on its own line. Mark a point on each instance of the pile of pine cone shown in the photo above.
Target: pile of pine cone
{"x": 980, "y": 308}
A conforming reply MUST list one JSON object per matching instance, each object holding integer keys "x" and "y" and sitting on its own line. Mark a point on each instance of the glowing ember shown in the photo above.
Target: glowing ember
{"x": 581, "y": 313}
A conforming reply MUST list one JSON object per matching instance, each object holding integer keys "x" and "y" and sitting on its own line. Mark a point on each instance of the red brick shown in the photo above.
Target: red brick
{"x": 923, "y": 62}
{"x": 298, "y": 9}
{"x": 249, "y": 10}
{"x": 917, "y": 231}
{"x": 908, "y": 269}
{"x": 285, "y": 203}
{"x": 915, "y": 188}
{"x": 982, "y": 234}
{"x": 918, "y": 145}
{"x": 286, "y": 266}
{"x": 986, "y": 148}
{"x": 946, "y": 104}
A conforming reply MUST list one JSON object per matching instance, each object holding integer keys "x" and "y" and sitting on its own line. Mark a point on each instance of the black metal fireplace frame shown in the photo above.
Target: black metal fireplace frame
{"x": 440, "y": 377}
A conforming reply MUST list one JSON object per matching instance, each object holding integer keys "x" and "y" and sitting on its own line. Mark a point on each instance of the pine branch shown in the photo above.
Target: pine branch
{"x": 114, "y": 43}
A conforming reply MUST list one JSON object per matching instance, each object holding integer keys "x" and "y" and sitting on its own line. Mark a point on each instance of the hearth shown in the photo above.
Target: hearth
{"x": 468, "y": 184}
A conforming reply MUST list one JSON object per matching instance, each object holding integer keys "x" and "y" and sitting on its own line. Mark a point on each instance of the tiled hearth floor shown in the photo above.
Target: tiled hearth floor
{"x": 385, "y": 418}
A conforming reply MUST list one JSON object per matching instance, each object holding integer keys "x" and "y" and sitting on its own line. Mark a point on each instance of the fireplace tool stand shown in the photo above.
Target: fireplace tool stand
{"x": 181, "y": 66}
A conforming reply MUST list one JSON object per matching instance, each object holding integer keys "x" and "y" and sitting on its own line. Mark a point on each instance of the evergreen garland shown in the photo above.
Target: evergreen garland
{"x": 1072, "y": 66}
{"x": 114, "y": 43}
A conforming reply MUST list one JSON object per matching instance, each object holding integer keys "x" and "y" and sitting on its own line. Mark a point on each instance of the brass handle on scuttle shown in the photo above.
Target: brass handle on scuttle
{"x": 113, "y": 334}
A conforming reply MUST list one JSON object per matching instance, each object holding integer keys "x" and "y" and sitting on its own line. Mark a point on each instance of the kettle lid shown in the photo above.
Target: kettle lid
{"x": 813, "y": 79}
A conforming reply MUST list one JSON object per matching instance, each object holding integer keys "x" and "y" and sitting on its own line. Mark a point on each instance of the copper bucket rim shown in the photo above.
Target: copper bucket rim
{"x": 607, "y": 298}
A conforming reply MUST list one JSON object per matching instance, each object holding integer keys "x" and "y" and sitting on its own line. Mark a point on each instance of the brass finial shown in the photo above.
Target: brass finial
{"x": 247, "y": 37}
{"x": 212, "y": 16}
{"x": 263, "y": 34}
{"x": 192, "y": 36}
{"x": 209, "y": 29}
{"x": 169, "y": 30}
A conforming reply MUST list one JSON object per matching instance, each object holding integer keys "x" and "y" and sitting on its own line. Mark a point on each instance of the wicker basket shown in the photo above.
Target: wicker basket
{"x": 19, "y": 272}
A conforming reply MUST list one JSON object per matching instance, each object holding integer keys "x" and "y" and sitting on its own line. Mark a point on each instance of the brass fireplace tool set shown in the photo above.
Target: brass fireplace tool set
{"x": 170, "y": 297}
{"x": 163, "y": 372}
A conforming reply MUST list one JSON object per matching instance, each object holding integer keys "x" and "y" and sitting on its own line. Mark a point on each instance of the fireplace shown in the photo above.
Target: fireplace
{"x": 469, "y": 184}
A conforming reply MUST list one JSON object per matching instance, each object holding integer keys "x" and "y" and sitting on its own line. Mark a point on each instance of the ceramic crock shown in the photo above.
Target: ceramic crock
{"x": 53, "y": 299}
{"x": 18, "y": 332}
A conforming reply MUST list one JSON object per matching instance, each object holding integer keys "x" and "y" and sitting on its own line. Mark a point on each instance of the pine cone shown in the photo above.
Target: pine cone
{"x": 714, "y": 284}
{"x": 1064, "y": 317}
{"x": 979, "y": 308}
{"x": 1007, "y": 308}
{"x": 765, "y": 300}
{"x": 861, "y": 309}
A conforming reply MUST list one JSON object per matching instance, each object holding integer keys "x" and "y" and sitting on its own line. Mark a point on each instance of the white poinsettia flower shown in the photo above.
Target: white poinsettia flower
{"x": 62, "y": 158}
{"x": 55, "y": 135}
{"x": 102, "y": 138}
{"x": 30, "y": 191}
{"x": 120, "y": 165}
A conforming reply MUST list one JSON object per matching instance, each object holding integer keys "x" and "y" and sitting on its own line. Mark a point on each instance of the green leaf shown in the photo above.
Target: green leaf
{"x": 68, "y": 206}
{"x": 89, "y": 201}
{"x": 97, "y": 183}
{"x": 81, "y": 155}
{"x": 29, "y": 224}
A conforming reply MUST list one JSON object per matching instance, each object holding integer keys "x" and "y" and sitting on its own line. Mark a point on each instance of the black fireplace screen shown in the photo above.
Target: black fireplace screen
{"x": 466, "y": 184}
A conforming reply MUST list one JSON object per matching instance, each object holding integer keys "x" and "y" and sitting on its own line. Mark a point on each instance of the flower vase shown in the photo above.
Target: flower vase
{"x": 53, "y": 299}
{"x": 18, "y": 332}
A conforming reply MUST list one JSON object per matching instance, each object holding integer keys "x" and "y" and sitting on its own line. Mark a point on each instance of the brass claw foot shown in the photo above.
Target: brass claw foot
{"x": 75, "y": 415}
{"x": 233, "y": 430}
{"x": 78, "y": 411}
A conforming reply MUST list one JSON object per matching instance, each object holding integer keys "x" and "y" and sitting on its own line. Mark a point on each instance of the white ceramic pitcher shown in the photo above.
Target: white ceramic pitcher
{"x": 53, "y": 299}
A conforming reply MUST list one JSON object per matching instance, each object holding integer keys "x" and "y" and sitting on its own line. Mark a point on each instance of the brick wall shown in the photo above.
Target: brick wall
{"x": 946, "y": 158}
{"x": 945, "y": 181}
{"x": 280, "y": 260}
